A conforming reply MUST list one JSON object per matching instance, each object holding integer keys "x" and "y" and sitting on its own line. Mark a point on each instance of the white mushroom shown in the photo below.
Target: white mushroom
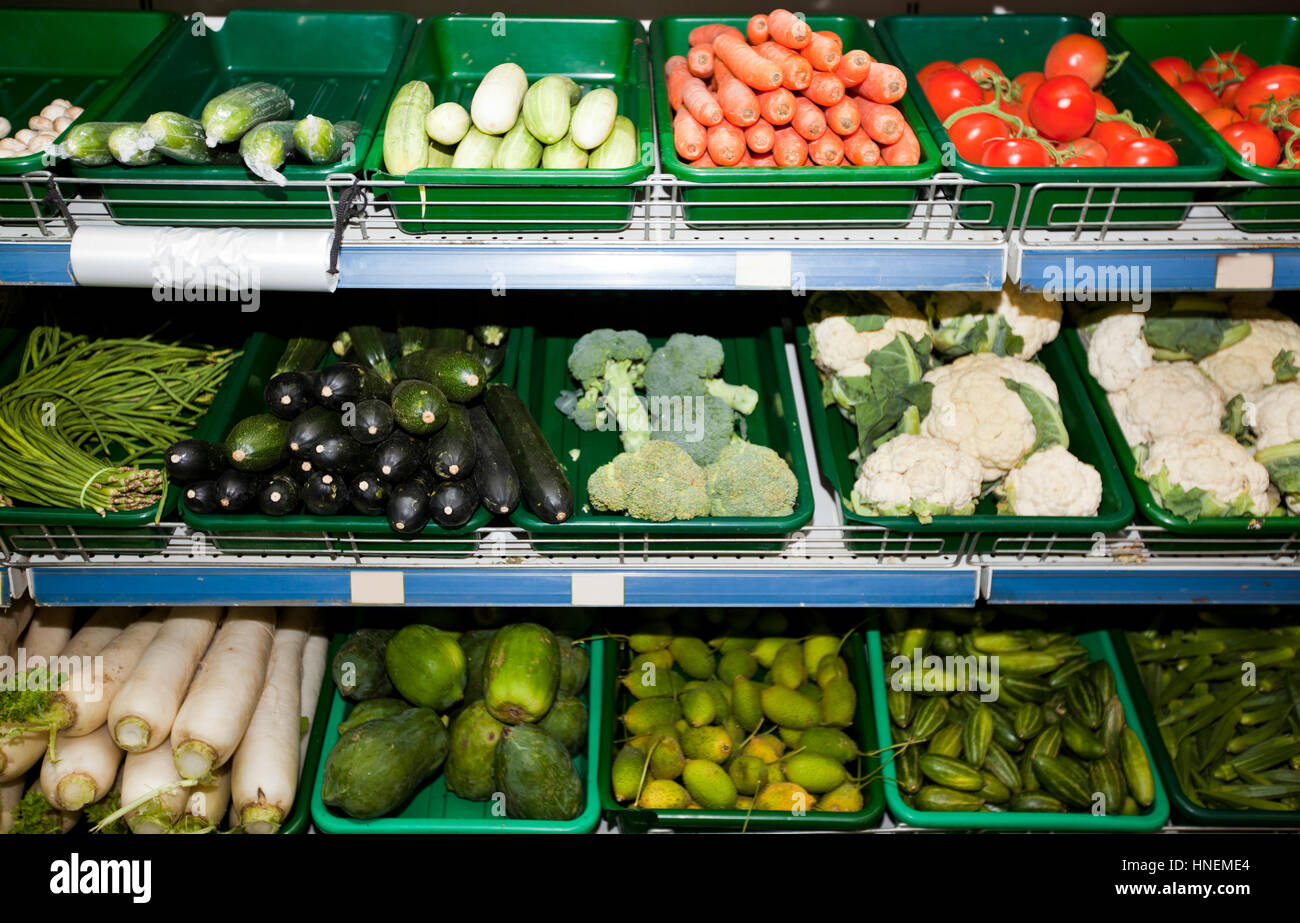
{"x": 39, "y": 123}
{"x": 62, "y": 122}
{"x": 24, "y": 136}
{"x": 73, "y": 111}
{"x": 53, "y": 112}
{"x": 4, "y": 127}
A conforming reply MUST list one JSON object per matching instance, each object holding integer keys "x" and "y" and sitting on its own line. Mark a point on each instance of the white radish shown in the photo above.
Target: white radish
{"x": 81, "y": 704}
{"x": 224, "y": 694}
{"x": 84, "y": 771}
{"x": 142, "y": 713}
{"x": 264, "y": 777}
{"x": 48, "y": 633}
{"x": 67, "y": 819}
{"x": 20, "y": 753}
{"x": 207, "y": 804}
{"x": 13, "y": 621}
{"x": 152, "y": 772}
{"x": 314, "y": 655}
{"x": 100, "y": 629}
{"x": 10, "y": 794}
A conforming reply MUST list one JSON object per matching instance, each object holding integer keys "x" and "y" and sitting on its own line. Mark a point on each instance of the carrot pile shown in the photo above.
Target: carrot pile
{"x": 782, "y": 95}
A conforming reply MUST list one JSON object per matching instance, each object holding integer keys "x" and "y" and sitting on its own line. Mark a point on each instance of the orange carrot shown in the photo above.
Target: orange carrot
{"x": 808, "y": 121}
{"x": 700, "y": 61}
{"x": 676, "y": 73}
{"x": 762, "y": 160}
{"x": 704, "y": 35}
{"x": 760, "y": 136}
{"x": 704, "y": 160}
{"x": 827, "y": 151}
{"x": 726, "y": 144}
{"x": 788, "y": 29}
{"x": 789, "y": 149}
{"x": 746, "y": 160}
{"x": 884, "y": 83}
{"x": 777, "y": 106}
{"x": 738, "y": 102}
{"x": 756, "y": 29}
{"x": 823, "y": 52}
{"x": 853, "y": 67}
{"x": 796, "y": 72}
{"x": 860, "y": 150}
{"x": 843, "y": 117}
{"x": 689, "y": 138}
{"x": 882, "y": 122}
{"x": 825, "y": 89}
{"x": 697, "y": 99}
{"x": 905, "y": 153}
{"x": 746, "y": 63}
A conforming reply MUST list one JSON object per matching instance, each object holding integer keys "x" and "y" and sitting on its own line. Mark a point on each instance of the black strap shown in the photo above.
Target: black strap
{"x": 54, "y": 199}
{"x": 352, "y": 204}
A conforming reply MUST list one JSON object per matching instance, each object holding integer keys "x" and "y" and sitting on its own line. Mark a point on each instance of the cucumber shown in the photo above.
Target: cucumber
{"x": 458, "y": 375}
{"x": 258, "y": 443}
{"x": 1079, "y": 740}
{"x": 1038, "y": 802}
{"x": 1064, "y": 778}
{"x": 345, "y": 382}
{"x": 1137, "y": 768}
{"x": 201, "y": 497}
{"x": 131, "y": 147}
{"x": 412, "y": 339}
{"x": 564, "y": 155}
{"x": 419, "y": 407}
{"x": 951, "y": 773}
{"x": 447, "y": 123}
{"x": 179, "y": 137}
{"x": 319, "y": 140}
{"x": 1107, "y": 778}
{"x": 452, "y": 504}
{"x": 440, "y": 156}
{"x": 405, "y": 142}
{"x": 398, "y": 458}
{"x": 498, "y": 98}
{"x": 265, "y": 148}
{"x": 235, "y": 489}
{"x": 311, "y": 427}
{"x": 340, "y": 453}
{"x": 279, "y": 496}
{"x": 494, "y": 474}
{"x": 229, "y": 115}
{"x": 450, "y": 452}
{"x": 87, "y": 144}
{"x": 542, "y": 480}
{"x": 547, "y": 107}
{"x": 370, "y": 422}
{"x": 475, "y": 151}
{"x": 288, "y": 394}
{"x": 1086, "y": 702}
{"x": 518, "y": 150}
{"x": 369, "y": 494}
{"x": 937, "y": 798}
{"x": 194, "y": 460}
{"x": 408, "y": 507}
{"x": 618, "y": 151}
{"x": 593, "y": 118}
{"x": 324, "y": 493}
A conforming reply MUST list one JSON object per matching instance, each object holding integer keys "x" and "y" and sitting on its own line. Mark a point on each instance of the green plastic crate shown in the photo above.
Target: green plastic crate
{"x": 1151, "y": 819}
{"x": 338, "y": 65}
{"x": 59, "y": 526}
{"x": 86, "y": 57}
{"x": 1019, "y": 42}
{"x": 1183, "y": 806}
{"x": 759, "y": 362}
{"x": 1269, "y": 38}
{"x": 433, "y": 809}
{"x": 639, "y": 820}
{"x": 773, "y": 205}
{"x": 299, "y": 818}
{"x": 1146, "y": 501}
{"x": 452, "y": 54}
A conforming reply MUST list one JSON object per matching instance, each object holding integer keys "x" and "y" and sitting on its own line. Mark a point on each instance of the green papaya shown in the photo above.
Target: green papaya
{"x": 376, "y": 766}
{"x": 574, "y": 666}
{"x": 536, "y": 775}
{"x": 369, "y": 710}
{"x": 475, "y": 645}
{"x": 471, "y": 762}
{"x": 523, "y": 673}
{"x": 359, "y": 669}
{"x": 427, "y": 666}
{"x": 567, "y": 723}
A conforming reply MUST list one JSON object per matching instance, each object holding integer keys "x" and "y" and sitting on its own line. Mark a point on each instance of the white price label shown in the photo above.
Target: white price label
{"x": 763, "y": 269}
{"x": 1244, "y": 271}
{"x": 378, "y": 588}
{"x": 597, "y": 590}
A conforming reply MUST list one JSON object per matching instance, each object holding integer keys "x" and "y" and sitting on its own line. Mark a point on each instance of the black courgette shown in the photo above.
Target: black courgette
{"x": 408, "y": 507}
{"x": 449, "y": 452}
{"x": 194, "y": 460}
{"x": 258, "y": 443}
{"x": 279, "y": 496}
{"x": 398, "y": 458}
{"x": 236, "y": 489}
{"x": 312, "y": 427}
{"x": 324, "y": 493}
{"x": 201, "y": 497}
{"x": 542, "y": 481}
{"x": 340, "y": 453}
{"x": 288, "y": 394}
{"x": 453, "y": 503}
{"x": 368, "y": 493}
{"x": 459, "y": 376}
{"x": 348, "y": 382}
{"x": 419, "y": 407}
{"x": 370, "y": 421}
{"x": 494, "y": 474}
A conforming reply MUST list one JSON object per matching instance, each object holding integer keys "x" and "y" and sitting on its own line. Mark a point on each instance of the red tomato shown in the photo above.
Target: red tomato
{"x": 1253, "y": 143}
{"x": 1063, "y": 108}
{"x": 951, "y": 89}
{"x": 1293, "y": 148}
{"x": 1197, "y": 95}
{"x": 1141, "y": 152}
{"x": 1226, "y": 67}
{"x": 1229, "y": 95}
{"x": 978, "y": 66}
{"x": 1082, "y": 152}
{"x": 1103, "y": 103}
{"x": 930, "y": 69}
{"x": 1019, "y": 110}
{"x": 1027, "y": 84}
{"x": 1109, "y": 134}
{"x": 1077, "y": 55}
{"x": 1221, "y": 116}
{"x": 1173, "y": 70}
{"x": 1268, "y": 84}
{"x": 971, "y": 132}
{"x": 1016, "y": 152}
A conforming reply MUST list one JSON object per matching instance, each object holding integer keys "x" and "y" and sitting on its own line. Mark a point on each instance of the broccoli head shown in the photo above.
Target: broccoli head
{"x": 750, "y": 480}
{"x": 609, "y": 364}
{"x": 657, "y": 482}
{"x": 702, "y": 425}
{"x": 689, "y": 365}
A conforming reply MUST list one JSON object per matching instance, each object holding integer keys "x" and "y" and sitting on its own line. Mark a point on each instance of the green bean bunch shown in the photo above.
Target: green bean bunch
{"x": 85, "y": 418}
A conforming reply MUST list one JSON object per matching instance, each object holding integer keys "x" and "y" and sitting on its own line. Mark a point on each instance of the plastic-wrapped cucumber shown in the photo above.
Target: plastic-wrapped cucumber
{"x": 319, "y": 140}
{"x": 265, "y": 149}
{"x": 131, "y": 146}
{"x": 619, "y": 150}
{"x": 440, "y": 155}
{"x": 476, "y": 150}
{"x": 87, "y": 144}
{"x": 179, "y": 137}
{"x": 518, "y": 150}
{"x": 564, "y": 155}
{"x": 227, "y": 116}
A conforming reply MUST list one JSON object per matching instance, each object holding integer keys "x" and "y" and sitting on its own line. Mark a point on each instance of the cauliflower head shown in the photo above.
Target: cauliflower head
{"x": 1205, "y": 474}
{"x": 973, "y": 409}
{"x": 845, "y": 327}
{"x": 1267, "y": 355}
{"x": 1274, "y": 415}
{"x": 1117, "y": 351}
{"x": 917, "y": 476}
{"x": 1166, "y": 399}
{"x": 1052, "y": 482}
{"x": 657, "y": 482}
{"x": 1009, "y": 322}
{"x": 750, "y": 480}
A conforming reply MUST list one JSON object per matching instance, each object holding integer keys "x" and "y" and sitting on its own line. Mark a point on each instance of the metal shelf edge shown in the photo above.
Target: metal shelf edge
{"x": 1048, "y": 585}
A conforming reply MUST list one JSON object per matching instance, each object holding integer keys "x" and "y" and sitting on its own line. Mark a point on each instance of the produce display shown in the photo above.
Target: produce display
{"x": 1225, "y": 701}
{"x": 501, "y": 712}
{"x": 197, "y": 723}
{"x": 85, "y": 418}
{"x": 782, "y": 95}
{"x": 510, "y": 125}
{"x": 1049, "y": 734}
{"x": 1256, "y": 109}
{"x": 1053, "y": 117}
{"x": 41, "y": 129}
{"x": 1205, "y": 394}
{"x": 948, "y": 403}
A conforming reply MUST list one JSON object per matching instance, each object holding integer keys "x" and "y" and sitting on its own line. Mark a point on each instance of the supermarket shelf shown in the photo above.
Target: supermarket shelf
{"x": 1049, "y": 585}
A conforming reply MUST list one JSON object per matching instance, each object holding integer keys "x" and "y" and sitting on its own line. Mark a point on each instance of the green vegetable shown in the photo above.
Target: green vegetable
{"x": 319, "y": 140}
{"x": 536, "y": 775}
{"x": 892, "y": 399}
{"x": 265, "y": 148}
{"x": 258, "y": 443}
{"x": 87, "y": 143}
{"x": 1192, "y": 327}
{"x": 542, "y": 480}
{"x": 1283, "y": 464}
{"x": 476, "y": 150}
{"x": 427, "y": 666}
{"x": 369, "y": 710}
{"x": 567, "y": 723}
{"x": 966, "y": 322}
{"x": 419, "y": 407}
{"x": 229, "y": 115}
{"x": 359, "y": 668}
{"x": 658, "y": 482}
{"x": 518, "y": 150}
{"x": 470, "y": 770}
{"x": 609, "y": 364}
{"x": 619, "y": 150}
{"x": 179, "y": 137}
{"x": 447, "y": 124}
{"x": 547, "y": 107}
{"x": 131, "y": 147}
{"x": 376, "y": 766}
{"x": 593, "y": 118}
{"x": 1049, "y": 426}
{"x": 750, "y": 480}
{"x": 523, "y": 673}
{"x": 564, "y": 155}
{"x": 406, "y": 143}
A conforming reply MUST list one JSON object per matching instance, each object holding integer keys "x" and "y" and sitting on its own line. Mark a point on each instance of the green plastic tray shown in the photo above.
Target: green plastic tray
{"x": 338, "y": 65}
{"x": 1146, "y": 501}
{"x": 1269, "y": 38}
{"x": 759, "y": 362}
{"x": 835, "y": 438}
{"x": 730, "y": 207}
{"x": 59, "y": 526}
{"x": 1019, "y": 43}
{"x": 1153, "y": 818}
{"x": 432, "y": 809}
{"x": 452, "y": 54}
{"x": 309, "y": 532}
{"x": 639, "y": 820}
{"x": 86, "y": 57}
{"x": 299, "y": 818}
{"x": 1183, "y": 806}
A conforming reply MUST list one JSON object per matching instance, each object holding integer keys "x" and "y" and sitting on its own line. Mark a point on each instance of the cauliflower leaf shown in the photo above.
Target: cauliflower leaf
{"x": 893, "y": 398}
{"x": 1049, "y": 425}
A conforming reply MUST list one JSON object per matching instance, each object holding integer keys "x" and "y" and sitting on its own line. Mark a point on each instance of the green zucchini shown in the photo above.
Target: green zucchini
{"x": 951, "y": 773}
{"x": 457, "y": 374}
{"x": 301, "y": 354}
{"x": 319, "y": 140}
{"x": 87, "y": 144}
{"x": 131, "y": 147}
{"x": 518, "y": 150}
{"x": 495, "y": 478}
{"x": 368, "y": 344}
{"x": 412, "y": 339}
{"x": 564, "y": 155}
{"x": 228, "y": 116}
{"x": 618, "y": 151}
{"x": 1065, "y": 778}
{"x": 278, "y": 496}
{"x": 406, "y": 145}
{"x": 542, "y": 480}
{"x": 258, "y": 443}
{"x": 419, "y": 407}
{"x": 548, "y": 105}
{"x": 440, "y": 155}
{"x": 450, "y": 451}
{"x": 265, "y": 148}
{"x": 179, "y": 137}
{"x": 476, "y": 150}
{"x": 345, "y": 382}
{"x": 593, "y": 118}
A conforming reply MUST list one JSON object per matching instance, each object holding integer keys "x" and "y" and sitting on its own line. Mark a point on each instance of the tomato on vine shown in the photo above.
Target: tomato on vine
{"x": 1266, "y": 88}
{"x": 1173, "y": 71}
{"x": 951, "y": 89}
{"x": 1253, "y": 142}
{"x": 1017, "y": 152}
{"x": 1082, "y": 152}
{"x": 1063, "y": 108}
{"x": 1198, "y": 96}
{"x": 925, "y": 73}
{"x": 1141, "y": 152}
{"x": 1225, "y": 67}
{"x": 1079, "y": 56}
{"x": 971, "y": 133}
